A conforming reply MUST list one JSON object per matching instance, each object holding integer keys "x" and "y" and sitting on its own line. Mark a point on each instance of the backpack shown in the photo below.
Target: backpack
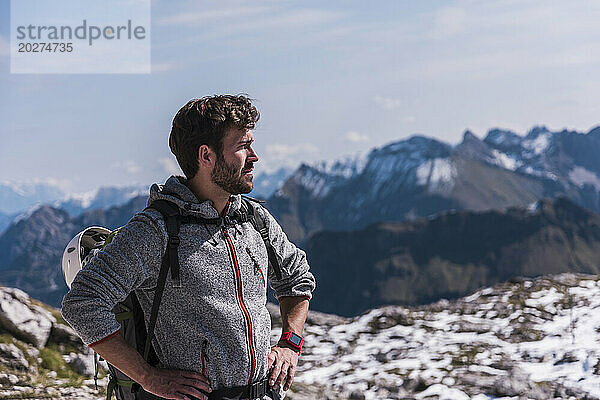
{"x": 129, "y": 312}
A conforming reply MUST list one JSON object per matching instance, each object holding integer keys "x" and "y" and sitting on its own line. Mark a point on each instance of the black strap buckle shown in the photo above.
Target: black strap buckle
{"x": 257, "y": 390}
{"x": 264, "y": 232}
{"x": 241, "y": 216}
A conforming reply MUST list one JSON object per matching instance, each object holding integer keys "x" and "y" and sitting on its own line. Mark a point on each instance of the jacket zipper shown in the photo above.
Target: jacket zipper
{"x": 238, "y": 285}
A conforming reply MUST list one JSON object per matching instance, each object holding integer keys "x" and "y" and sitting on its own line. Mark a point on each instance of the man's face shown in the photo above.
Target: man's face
{"x": 233, "y": 168}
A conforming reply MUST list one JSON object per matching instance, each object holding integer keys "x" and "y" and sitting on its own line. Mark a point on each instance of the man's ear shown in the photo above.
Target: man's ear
{"x": 206, "y": 157}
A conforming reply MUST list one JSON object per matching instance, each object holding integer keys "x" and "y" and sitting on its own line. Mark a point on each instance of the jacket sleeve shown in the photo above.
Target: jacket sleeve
{"x": 130, "y": 261}
{"x": 296, "y": 278}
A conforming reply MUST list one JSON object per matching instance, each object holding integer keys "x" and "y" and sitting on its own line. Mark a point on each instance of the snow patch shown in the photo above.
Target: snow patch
{"x": 315, "y": 182}
{"x": 443, "y": 392}
{"x": 27, "y": 213}
{"x": 437, "y": 174}
{"x": 536, "y": 172}
{"x": 505, "y": 161}
{"x": 580, "y": 176}
{"x": 442, "y": 347}
{"x": 544, "y": 298}
{"x": 539, "y": 144}
{"x": 346, "y": 167}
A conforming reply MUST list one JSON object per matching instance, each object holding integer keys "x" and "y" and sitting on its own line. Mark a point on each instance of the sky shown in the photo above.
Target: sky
{"x": 330, "y": 79}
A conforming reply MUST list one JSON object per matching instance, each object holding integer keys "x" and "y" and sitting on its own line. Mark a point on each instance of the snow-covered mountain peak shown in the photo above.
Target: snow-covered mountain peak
{"x": 27, "y": 213}
{"x": 314, "y": 179}
{"x": 421, "y": 160}
{"x": 503, "y": 138}
{"x": 537, "y": 141}
{"x": 537, "y": 131}
{"x": 102, "y": 197}
{"x": 417, "y": 145}
{"x": 346, "y": 167}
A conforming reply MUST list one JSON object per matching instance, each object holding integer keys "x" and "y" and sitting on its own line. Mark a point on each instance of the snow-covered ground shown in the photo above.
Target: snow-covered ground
{"x": 531, "y": 339}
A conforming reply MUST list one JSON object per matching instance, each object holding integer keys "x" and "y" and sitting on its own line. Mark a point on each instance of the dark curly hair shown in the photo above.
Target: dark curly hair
{"x": 205, "y": 121}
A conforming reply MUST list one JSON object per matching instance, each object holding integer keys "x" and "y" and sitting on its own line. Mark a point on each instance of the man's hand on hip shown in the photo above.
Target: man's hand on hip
{"x": 176, "y": 384}
{"x": 284, "y": 361}
{"x": 170, "y": 384}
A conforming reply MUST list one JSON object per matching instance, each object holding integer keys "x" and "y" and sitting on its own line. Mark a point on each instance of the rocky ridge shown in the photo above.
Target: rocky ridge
{"x": 41, "y": 356}
{"x": 524, "y": 339}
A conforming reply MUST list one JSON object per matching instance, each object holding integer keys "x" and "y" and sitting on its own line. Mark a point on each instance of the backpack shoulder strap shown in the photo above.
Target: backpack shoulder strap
{"x": 259, "y": 223}
{"x": 170, "y": 261}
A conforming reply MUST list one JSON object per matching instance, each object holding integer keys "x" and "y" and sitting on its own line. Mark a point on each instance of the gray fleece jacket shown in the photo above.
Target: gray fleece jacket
{"x": 214, "y": 320}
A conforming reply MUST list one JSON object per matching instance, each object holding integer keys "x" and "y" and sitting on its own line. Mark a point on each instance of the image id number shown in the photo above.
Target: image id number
{"x": 45, "y": 47}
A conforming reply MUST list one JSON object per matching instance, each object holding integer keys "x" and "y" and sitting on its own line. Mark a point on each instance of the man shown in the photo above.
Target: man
{"x": 213, "y": 329}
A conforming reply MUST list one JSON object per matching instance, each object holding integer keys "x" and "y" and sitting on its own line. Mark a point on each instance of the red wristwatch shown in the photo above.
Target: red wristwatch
{"x": 295, "y": 341}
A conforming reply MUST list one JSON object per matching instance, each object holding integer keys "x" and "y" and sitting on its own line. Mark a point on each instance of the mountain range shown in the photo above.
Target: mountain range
{"x": 450, "y": 255}
{"x": 17, "y": 201}
{"x": 421, "y": 176}
{"x": 31, "y": 248}
{"x": 392, "y": 199}
{"x": 17, "y": 198}
{"x": 413, "y": 262}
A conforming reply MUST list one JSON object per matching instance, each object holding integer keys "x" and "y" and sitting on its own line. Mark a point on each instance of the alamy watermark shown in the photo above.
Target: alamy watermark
{"x": 73, "y": 36}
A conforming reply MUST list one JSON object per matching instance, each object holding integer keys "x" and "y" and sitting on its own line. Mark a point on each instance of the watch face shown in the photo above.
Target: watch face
{"x": 295, "y": 339}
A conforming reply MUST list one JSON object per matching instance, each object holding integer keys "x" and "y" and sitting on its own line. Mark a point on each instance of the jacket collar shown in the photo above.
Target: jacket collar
{"x": 176, "y": 191}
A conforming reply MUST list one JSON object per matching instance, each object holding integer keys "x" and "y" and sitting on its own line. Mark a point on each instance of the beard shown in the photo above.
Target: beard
{"x": 229, "y": 178}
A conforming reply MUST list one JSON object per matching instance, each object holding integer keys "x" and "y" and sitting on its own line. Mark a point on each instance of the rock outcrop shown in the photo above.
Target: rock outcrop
{"x": 41, "y": 357}
{"x": 26, "y": 321}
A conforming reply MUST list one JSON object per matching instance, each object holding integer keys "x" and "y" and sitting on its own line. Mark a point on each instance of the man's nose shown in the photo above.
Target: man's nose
{"x": 253, "y": 156}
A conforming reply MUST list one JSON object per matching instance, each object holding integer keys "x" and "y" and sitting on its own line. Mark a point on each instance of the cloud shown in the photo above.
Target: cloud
{"x": 169, "y": 166}
{"x": 278, "y": 25}
{"x": 449, "y": 21}
{"x": 282, "y": 151}
{"x": 278, "y": 155}
{"x": 291, "y": 19}
{"x": 4, "y": 47}
{"x": 211, "y": 16}
{"x": 357, "y": 137}
{"x": 24, "y": 185}
{"x": 387, "y": 102}
{"x": 130, "y": 166}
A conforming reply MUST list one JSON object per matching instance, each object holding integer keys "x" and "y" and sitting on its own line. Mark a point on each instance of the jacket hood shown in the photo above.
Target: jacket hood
{"x": 176, "y": 191}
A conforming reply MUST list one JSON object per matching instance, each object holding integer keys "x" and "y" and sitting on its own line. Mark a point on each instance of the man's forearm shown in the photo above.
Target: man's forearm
{"x": 284, "y": 358}
{"x": 294, "y": 310}
{"x": 170, "y": 384}
{"x": 123, "y": 356}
